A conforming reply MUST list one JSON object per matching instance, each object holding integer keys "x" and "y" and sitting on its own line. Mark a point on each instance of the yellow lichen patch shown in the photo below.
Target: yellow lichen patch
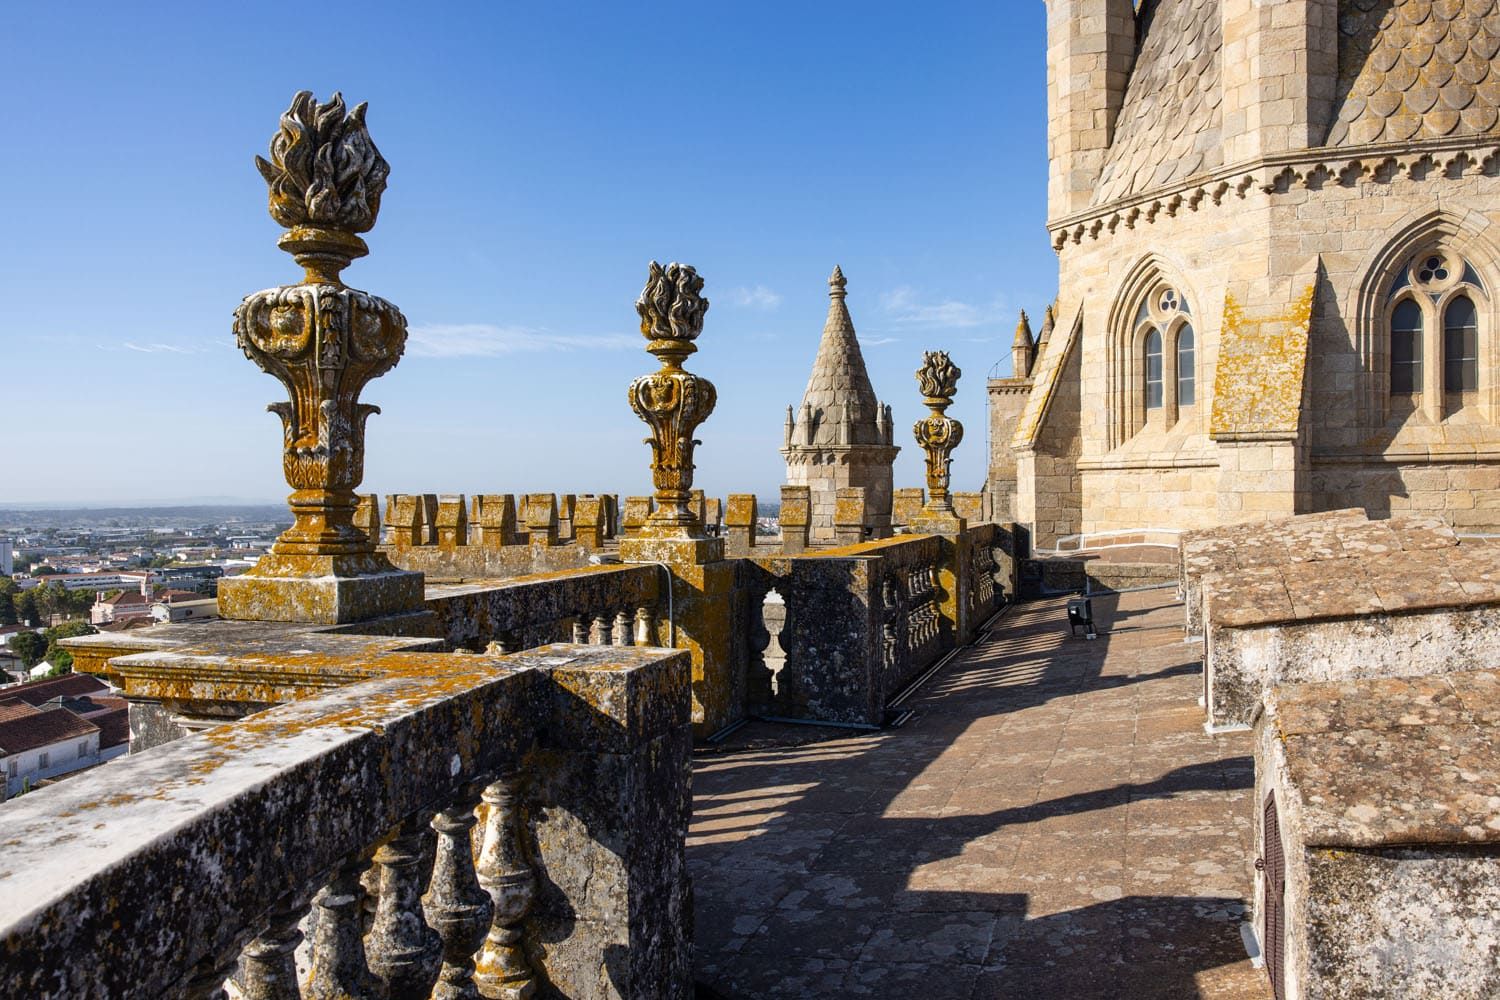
{"x": 1258, "y": 381}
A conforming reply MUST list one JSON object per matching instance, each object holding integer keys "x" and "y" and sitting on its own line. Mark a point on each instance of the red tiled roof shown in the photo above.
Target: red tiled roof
{"x": 66, "y": 686}
{"x": 43, "y": 729}
{"x": 15, "y": 710}
{"x": 114, "y": 724}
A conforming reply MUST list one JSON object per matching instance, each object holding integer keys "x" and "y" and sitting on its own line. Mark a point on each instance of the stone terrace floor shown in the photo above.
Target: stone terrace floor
{"x": 1053, "y": 822}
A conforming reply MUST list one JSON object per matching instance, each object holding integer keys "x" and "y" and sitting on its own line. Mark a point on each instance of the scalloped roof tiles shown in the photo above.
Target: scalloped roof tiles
{"x": 1416, "y": 69}
{"x": 1169, "y": 124}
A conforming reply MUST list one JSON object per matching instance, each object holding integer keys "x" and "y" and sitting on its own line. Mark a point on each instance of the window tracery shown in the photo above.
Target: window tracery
{"x": 1434, "y": 336}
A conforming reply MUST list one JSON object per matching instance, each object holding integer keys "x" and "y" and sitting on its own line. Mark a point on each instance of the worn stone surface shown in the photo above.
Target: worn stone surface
{"x": 1401, "y": 614}
{"x": 1053, "y": 822}
{"x": 180, "y": 852}
{"x": 1388, "y": 806}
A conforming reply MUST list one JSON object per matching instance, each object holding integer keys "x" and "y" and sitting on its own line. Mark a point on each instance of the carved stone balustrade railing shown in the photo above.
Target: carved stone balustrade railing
{"x": 218, "y": 854}
{"x": 581, "y": 605}
{"x": 833, "y": 635}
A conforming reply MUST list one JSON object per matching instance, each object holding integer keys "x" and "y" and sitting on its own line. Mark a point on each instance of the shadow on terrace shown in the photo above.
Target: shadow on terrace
{"x": 1052, "y": 822}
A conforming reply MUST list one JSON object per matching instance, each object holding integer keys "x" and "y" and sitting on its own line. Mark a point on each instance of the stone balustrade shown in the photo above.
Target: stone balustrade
{"x": 834, "y": 634}
{"x": 247, "y": 851}
{"x": 606, "y": 604}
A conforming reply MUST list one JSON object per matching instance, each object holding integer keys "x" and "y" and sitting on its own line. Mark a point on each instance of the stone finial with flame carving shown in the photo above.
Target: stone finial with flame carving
{"x": 324, "y": 341}
{"x": 938, "y": 433}
{"x": 672, "y": 402}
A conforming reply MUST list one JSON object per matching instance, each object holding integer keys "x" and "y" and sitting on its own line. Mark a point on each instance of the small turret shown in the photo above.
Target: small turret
{"x": 790, "y": 427}
{"x": 1022, "y": 349}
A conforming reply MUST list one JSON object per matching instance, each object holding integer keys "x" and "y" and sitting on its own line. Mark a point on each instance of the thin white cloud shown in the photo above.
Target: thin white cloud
{"x": 905, "y": 307}
{"x": 878, "y": 341}
{"x": 759, "y": 297}
{"x": 486, "y": 340}
{"x": 153, "y": 348}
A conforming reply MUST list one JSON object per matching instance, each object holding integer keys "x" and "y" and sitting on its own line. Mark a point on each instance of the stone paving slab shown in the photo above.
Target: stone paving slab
{"x": 1053, "y": 822}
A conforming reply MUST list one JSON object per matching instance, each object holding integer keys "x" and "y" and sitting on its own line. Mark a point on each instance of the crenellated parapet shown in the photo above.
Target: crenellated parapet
{"x": 493, "y": 535}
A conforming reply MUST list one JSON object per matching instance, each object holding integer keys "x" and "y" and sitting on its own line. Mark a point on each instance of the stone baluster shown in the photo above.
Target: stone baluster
{"x": 404, "y": 953}
{"x": 501, "y": 969}
{"x": 206, "y": 980}
{"x": 339, "y": 971}
{"x": 456, "y": 906}
{"x": 268, "y": 965}
{"x": 604, "y": 628}
{"x": 622, "y": 628}
{"x": 581, "y": 628}
{"x": 645, "y": 625}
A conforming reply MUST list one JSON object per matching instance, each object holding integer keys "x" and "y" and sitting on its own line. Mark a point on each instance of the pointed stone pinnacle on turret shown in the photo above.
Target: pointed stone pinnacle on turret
{"x": 1023, "y": 333}
{"x": 836, "y": 282}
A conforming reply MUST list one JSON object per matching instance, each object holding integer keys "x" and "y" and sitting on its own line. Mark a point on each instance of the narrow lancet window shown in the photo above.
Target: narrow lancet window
{"x": 1186, "y": 381}
{"x": 1153, "y": 370}
{"x": 1406, "y": 348}
{"x": 1460, "y": 346}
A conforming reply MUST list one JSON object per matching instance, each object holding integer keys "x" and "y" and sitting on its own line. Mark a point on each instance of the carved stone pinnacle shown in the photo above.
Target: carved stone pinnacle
{"x": 938, "y": 433}
{"x": 672, "y": 402}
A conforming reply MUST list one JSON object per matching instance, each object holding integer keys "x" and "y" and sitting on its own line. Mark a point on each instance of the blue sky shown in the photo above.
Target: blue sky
{"x": 541, "y": 155}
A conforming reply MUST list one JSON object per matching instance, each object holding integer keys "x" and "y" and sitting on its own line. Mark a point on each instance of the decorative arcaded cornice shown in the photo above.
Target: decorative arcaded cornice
{"x": 1310, "y": 169}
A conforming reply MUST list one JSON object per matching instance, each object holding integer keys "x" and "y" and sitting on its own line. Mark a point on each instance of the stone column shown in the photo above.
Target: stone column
{"x": 674, "y": 402}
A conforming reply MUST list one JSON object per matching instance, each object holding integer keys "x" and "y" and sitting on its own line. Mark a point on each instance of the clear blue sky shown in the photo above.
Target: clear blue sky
{"x": 541, "y": 155}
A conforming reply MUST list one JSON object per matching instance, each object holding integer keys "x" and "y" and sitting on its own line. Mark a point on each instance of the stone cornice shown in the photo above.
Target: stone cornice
{"x": 1450, "y": 157}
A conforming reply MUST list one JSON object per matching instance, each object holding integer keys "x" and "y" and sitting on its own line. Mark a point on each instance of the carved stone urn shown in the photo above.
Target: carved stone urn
{"x": 672, "y": 402}
{"x": 324, "y": 341}
{"x": 938, "y": 433}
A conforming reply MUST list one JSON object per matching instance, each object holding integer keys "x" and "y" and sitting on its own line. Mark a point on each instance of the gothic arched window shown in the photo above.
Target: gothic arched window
{"x": 1434, "y": 325}
{"x": 1161, "y": 373}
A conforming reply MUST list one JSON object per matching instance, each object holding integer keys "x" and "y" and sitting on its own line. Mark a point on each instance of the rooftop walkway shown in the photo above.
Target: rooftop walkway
{"x": 1053, "y": 822}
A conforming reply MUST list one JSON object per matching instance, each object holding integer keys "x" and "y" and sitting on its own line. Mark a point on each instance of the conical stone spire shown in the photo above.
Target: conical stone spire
{"x": 839, "y": 396}
{"x": 1021, "y": 348}
{"x": 841, "y": 436}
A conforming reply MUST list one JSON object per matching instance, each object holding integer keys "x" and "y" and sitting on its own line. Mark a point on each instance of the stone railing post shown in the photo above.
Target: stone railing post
{"x": 588, "y": 522}
{"x": 495, "y": 516}
{"x": 566, "y": 509}
{"x": 452, "y": 522}
{"x": 849, "y": 516}
{"x": 637, "y": 513}
{"x": 796, "y": 518}
{"x": 541, "y": 519}
{"x": 906, "y": 506}
{"x": 324, "y": 341}
{"x": 739, "y": 521}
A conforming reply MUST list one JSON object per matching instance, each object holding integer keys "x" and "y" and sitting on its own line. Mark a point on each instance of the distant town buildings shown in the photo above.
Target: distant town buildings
{"x": 52, "y": 728}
